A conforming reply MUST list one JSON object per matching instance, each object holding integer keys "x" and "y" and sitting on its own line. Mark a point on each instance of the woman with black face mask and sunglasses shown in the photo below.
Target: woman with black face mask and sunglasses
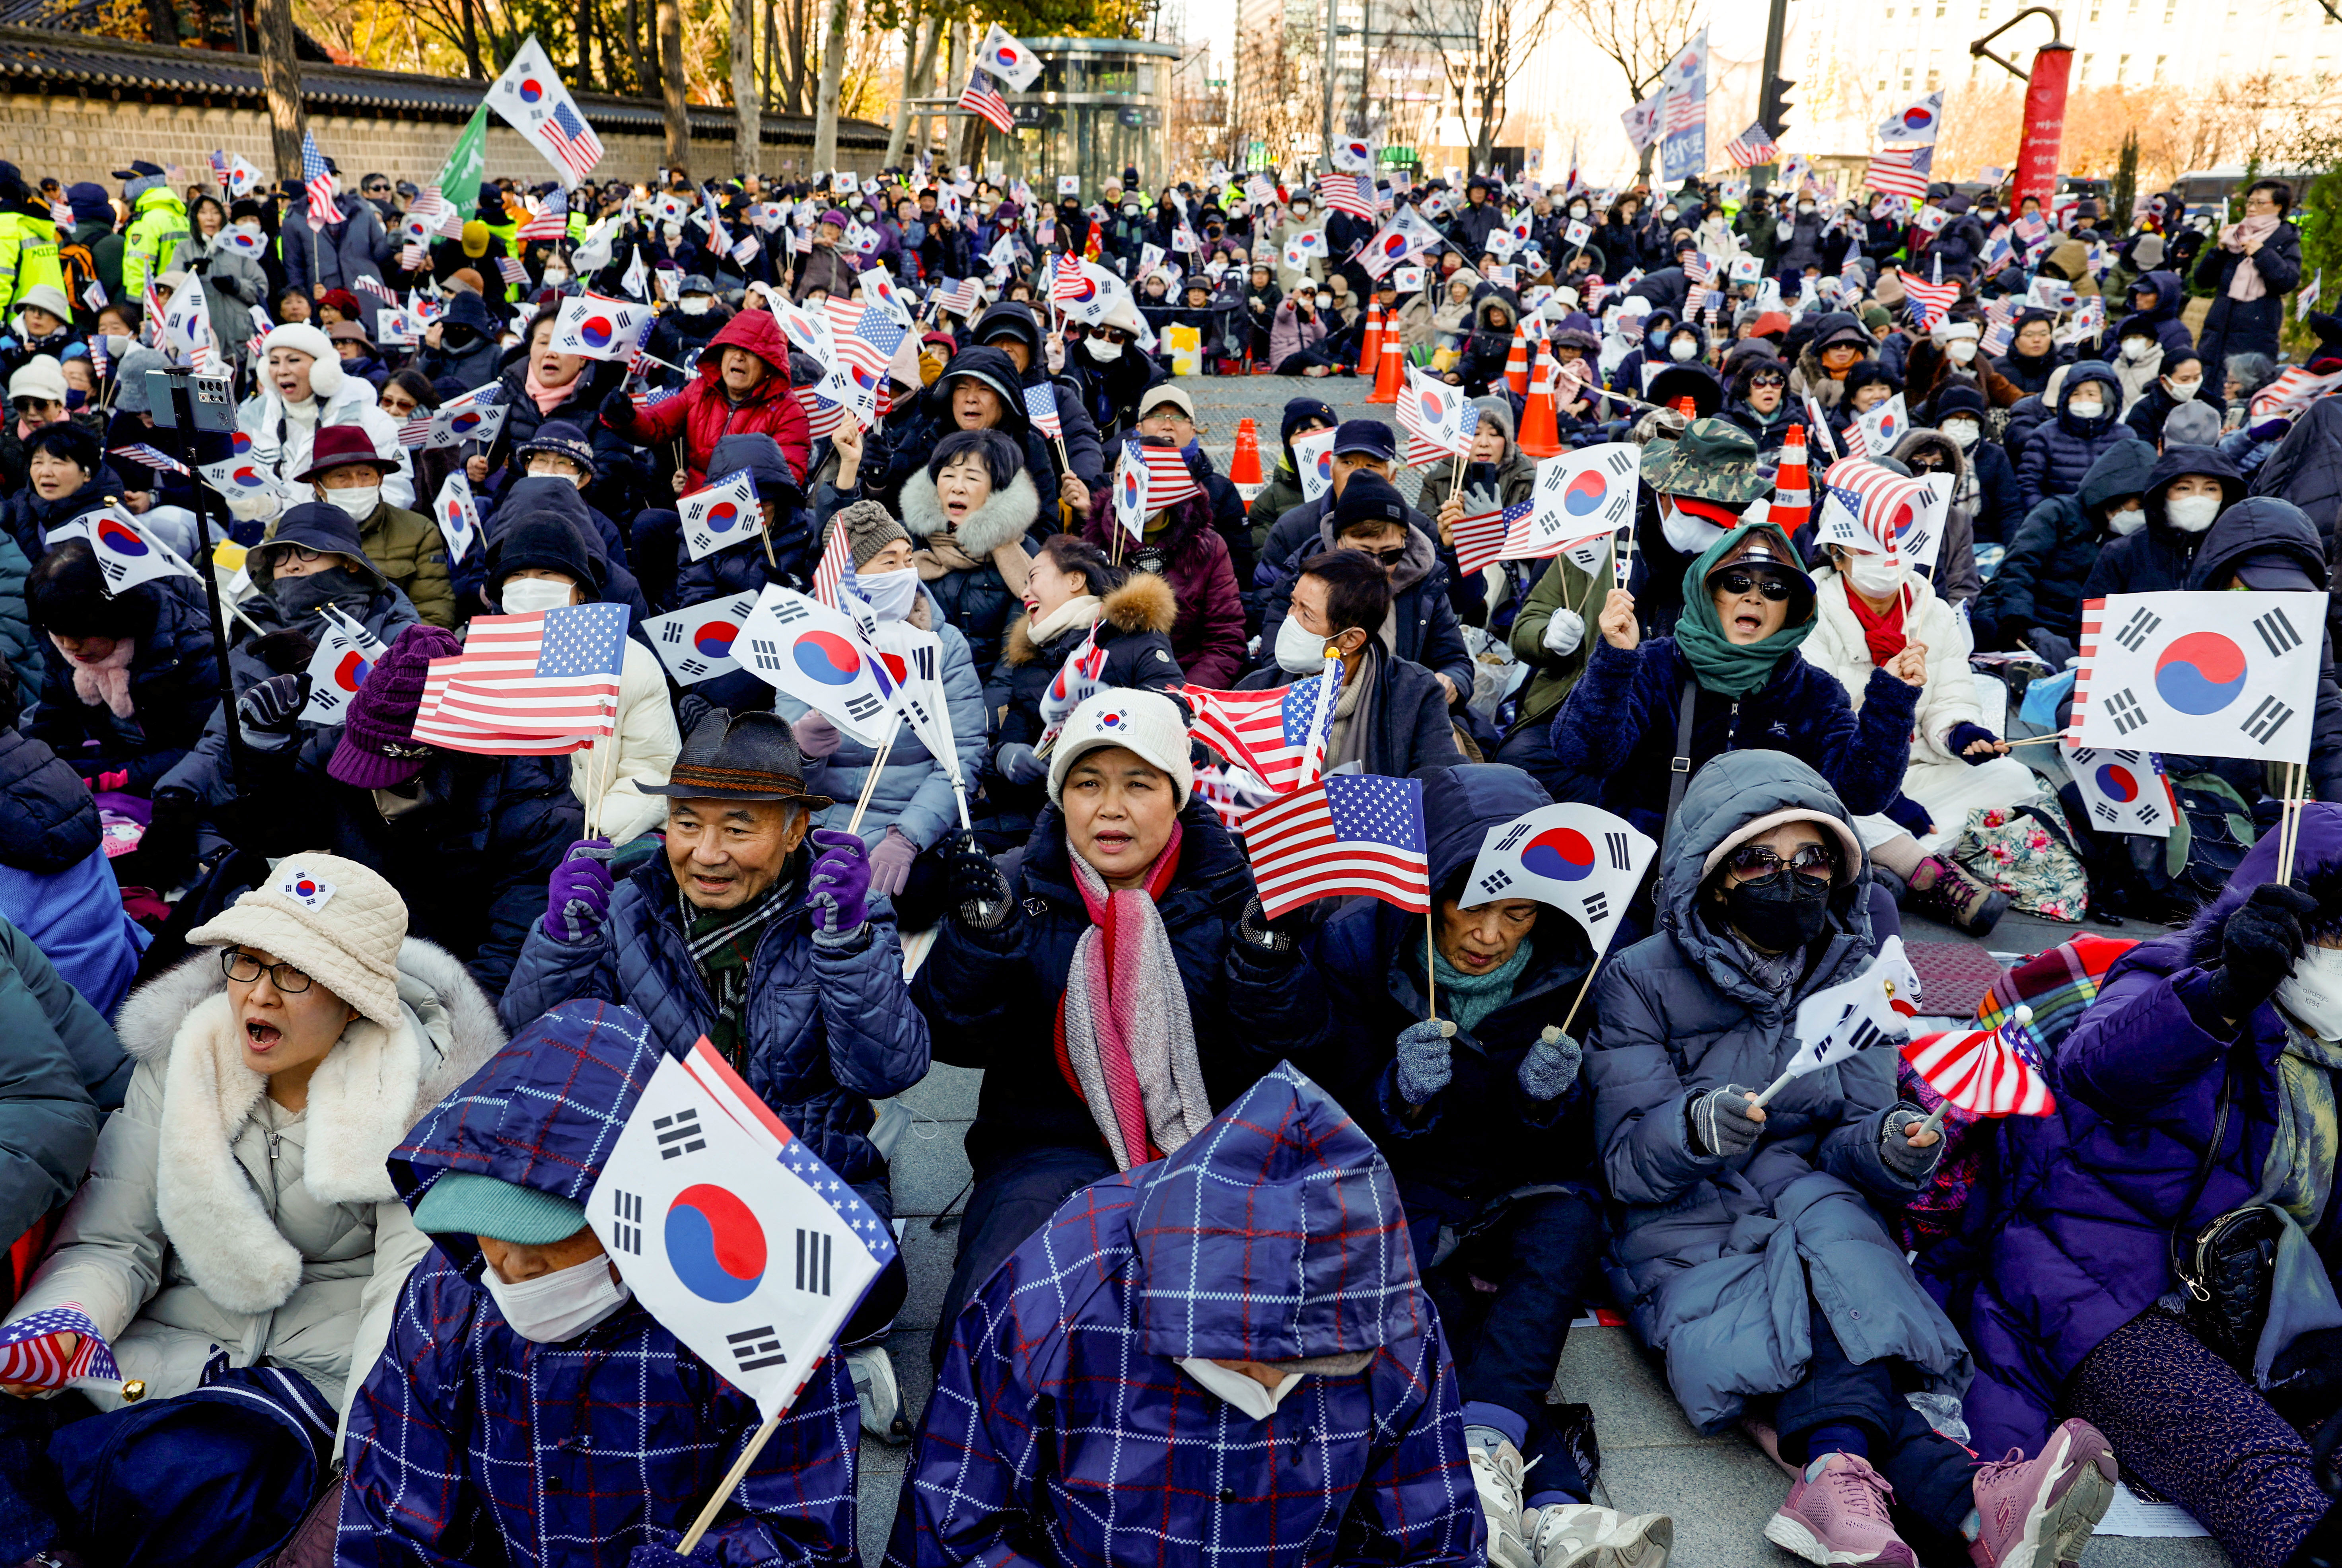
{"x": 1753, "y": 1251}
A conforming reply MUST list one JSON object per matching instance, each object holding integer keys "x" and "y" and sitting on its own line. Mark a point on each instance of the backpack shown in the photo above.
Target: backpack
{"x": 80, "y": 270}
{"x": 2028, "y": 852}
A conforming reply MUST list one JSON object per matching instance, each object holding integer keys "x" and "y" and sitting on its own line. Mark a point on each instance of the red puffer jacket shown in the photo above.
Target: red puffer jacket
{"x": 705, "y": 414}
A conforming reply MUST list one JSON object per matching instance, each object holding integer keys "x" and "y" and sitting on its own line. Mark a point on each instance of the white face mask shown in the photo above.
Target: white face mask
{"x": 359, "y": 500}
{"x": 1299, "y": 651}
{"x": 1668, "y": 215}
{"x": 695, "y": 304}
{"x": 889, "y": 594}
{"x": 2192, "y": 514}
{"x": 523, "y": 594}
{"x": 2134, "y": 348}
{"x": 2127, "y": 521}
{"x": 1687, "y": 533}
{"x": 1874, "y": 577}
{"x": 1805, "y": 206}
{"x": 671, "y": 232}
{"x": 2086, "y": 410}
{"x": 249, "y": 226}
{"x": 1682, "y": 348}
{"x": 2313, "y": 993}
{"x": 555, "y": 277}
{"x": 1961, "y": 349}
{"x": 1105, "y": 353}
{"x": 1964, "y": 433}
{"x": 2183, "y": 391}
{"x": 560, "y": 1305}
{"x": 1325, "y": 302}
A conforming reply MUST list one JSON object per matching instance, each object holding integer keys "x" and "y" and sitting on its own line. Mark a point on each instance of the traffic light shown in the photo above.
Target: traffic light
{"x": 1775, "y": 109}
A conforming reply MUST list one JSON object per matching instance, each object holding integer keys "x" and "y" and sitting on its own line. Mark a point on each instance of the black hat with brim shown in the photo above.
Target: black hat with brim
{"x": 749, "y": 757}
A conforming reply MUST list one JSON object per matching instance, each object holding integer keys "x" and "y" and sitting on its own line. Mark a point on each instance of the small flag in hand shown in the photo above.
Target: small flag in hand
{"x": 549, "y": 673}
{"x": 318, "y": 180}
{"x": 1984, "y": 1072}
{"x": 151, "y": 456}
{"x": 1752, "y": 146}
{"x": 1041, "y": 407}
{"x": 31, "y": 1356}
{"x": 1354, "y": 833}
{"x": 550, "y": 222}
{"x": 1480, "y": 533}
{"x": 1278, "y": 734}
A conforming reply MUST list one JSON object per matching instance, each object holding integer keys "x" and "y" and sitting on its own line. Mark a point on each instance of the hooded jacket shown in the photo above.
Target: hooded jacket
{"x": 2055, "y": 551}
{"x": 2164, "y": 318}
{"x": 474, "y": 359}
{"x": 913, "y": 429}
{"x": 65, "y": 1068}
{"x": 974, "y": 599}
{"x": 215, "y": 1223}
{"x": 172, "y": 693}
{"x": 1423, "y": 625}
{"x": 1080, "y": 1332}
{"x": 2090, "y": 1195}
{"x": 1809, "y": 378}
{"x": 992, "y": 996}
{"x": 2307, "y": 467}
{"x": 706, "y": 413}
{"x": 784, "y": 554}
{"x": 1083, "y": 454}
{"x": 1208, "y": 628}
{"x": 1997, "y": 509}
{"x": 463, "y": 1429}
{"x": 1715, "y": 1257}
{"x": 2059, "y": 453}
{"x": 2160, "y": 556}
{"x": 1955, "y": 573}
{"x": 55, "y": 883}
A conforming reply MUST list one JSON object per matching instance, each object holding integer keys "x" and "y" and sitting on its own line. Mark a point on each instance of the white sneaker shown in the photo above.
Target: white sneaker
{"x": 1581, "y": 1535}
{"x": 880, "y": 1396}
{"x": 1496, "y": 1472}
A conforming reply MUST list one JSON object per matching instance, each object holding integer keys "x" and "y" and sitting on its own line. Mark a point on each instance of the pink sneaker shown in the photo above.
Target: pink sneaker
{"x": 1839, "y": 1515}
{"x": 2038, "y": 1513}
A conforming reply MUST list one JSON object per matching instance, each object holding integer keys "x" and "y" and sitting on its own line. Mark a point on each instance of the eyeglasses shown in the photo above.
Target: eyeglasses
{"x": 304, "y": 554}
{"x": 1774, "y": 587}
{"x": 1756, "y": 861}
{"x": 244, "y": 969}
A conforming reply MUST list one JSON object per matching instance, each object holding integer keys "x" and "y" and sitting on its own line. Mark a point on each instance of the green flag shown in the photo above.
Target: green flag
{"x": 467, "y": 160}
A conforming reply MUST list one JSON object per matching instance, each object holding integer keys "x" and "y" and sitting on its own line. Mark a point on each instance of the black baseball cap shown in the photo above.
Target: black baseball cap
{"x": 1366, "y": 438}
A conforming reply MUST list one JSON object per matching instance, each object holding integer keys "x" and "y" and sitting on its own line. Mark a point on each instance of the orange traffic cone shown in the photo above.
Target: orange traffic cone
{"x": 1243, "y": 467}
{"x": 1391, "y": 374}
{"x": 1540, "y": 434}
{"x": 1370, "y": 352}
{"x": 1793, "y": 494}
{"x": 1516, "y": 365}
{"x": 1687, "y": 406}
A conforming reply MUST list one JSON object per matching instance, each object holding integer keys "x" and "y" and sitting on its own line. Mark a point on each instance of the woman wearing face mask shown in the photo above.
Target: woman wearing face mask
{"x": 1923, "y": 452}
{"x": 239, "y": 1207}
{"x": 2186, "y": 489}
{"x": 1295, "y": 335}
{"x": 1948, "y": 356}
{"x": 304, "y": 390}
{"x": 913, "y": 818}
{"x": 1762, "y": 895}
{"x": 1482, "y": 368}
{"x": 1989, "y": 481}
{"x": 2034, "y": 598}
{"x": 2137, "y": 360}
{"x": 692, "y": 325}
{"x": 538, "y": 563}
{"x": 1748, "y": 606}
{"x": 2062, "y": 448}
{"x": 2180, "y": 382}
{"x": 2200, "y": 1082}
{"x": 405, "y": 547}
{"x": 233, "y": 278}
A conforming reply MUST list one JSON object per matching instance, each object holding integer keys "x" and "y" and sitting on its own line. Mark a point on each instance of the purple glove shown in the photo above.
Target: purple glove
{"x": 817, "y": 738}
{"x": 890, "y": 863}
{"x": 578, "y": 895}
{"x": 839, "y": 888}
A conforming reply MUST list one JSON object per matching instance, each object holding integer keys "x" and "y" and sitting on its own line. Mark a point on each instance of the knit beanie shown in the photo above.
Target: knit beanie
{"x": 1368, "y": 501}
{"x": 540, "y": 542}
{"x": 378, "y": 748}
{"x": 870, "y": 528}
{"x": 1875, "y": 315}
{"x": 325, "y": 372}
{"x": 335, "y": 920}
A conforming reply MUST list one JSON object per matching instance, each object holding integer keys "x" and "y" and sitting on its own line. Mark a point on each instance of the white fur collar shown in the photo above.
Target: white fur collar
{"x": 374, "y": 1086}
{"x": 1004, "y": 515}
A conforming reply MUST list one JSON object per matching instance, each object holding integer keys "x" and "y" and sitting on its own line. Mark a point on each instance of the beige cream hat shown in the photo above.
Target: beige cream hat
{"x": 337, "y": 922}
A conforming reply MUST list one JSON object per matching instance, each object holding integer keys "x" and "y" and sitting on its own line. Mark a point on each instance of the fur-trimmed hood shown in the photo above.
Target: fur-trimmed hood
{"x": 1003, "y": 517}
{"x": 1144, "y": 604}
{"x": 373, "y": 1086}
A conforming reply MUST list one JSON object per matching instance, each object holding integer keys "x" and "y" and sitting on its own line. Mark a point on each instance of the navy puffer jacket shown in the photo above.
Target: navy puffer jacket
{"x": 782, "y": 555}
{"x": 828, "y": 1026}
{"x": 2159, "y": 558}
{"x": 2059, "y": 453}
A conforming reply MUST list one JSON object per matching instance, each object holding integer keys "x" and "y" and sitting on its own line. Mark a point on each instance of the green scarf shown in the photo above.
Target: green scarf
{"x": 2298, "y": 1175}
{"x": 1721, "y": 665}
{"x": 1469, "y": 998}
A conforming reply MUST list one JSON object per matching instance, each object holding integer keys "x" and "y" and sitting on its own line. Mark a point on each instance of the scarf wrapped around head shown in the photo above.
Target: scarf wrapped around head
{"x": 1125, "y": 1042}
{"x": 1721, "y": 665}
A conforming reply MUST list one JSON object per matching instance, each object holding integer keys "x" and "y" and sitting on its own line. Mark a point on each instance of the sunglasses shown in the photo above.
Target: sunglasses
{"x": 1109, "y": 335}
{"x": 1757, "y": 861}
{"x": 1768, "y": 381}
{"x": 1387, "y": 558}
{"x": 1772, "y": 585}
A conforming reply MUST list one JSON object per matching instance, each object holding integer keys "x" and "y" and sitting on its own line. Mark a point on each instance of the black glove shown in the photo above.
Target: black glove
{"x": 274, "y": 705}
{"x": 1721, "y": 1125}
{"x": 618, "y": 410}
{"x": 979, "y": 890}
{"x": 2258, "y": 944}
{"x": 167, "y": 849}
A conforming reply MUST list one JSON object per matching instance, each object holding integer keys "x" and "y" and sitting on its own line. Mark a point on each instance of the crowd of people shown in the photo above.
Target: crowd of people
{"x": 1279, "y": 1225}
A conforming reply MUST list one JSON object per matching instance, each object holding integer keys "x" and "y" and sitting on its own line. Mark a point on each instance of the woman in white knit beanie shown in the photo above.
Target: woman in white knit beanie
{"x": 302, "y": 388}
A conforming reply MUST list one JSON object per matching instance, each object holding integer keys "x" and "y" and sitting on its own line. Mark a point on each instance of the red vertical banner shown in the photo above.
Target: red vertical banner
{"x": 2045, "y": 124}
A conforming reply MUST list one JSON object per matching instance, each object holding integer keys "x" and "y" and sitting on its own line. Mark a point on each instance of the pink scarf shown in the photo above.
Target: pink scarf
{"x": 2245, "y": 283}
{"x": 107, "y": 681}
{"x": 548, "y": 398}
{"x": 1125, "y": 1042}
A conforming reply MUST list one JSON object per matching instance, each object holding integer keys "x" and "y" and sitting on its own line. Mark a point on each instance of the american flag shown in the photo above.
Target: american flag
{"x": 2294, "y": 390}
{"x": 1067, "y": 284}
{"x": 1901, "y": 170}
{"x": 959, "y": 298}
{"x": 980, "y": 97}
{"x": 1884, "y": 502}
{"x": 550, "y": 222}
{"x": 1700, "y": 268}
{"x": 376, "y": 287}
{"x": 152, "y": 456}
{"x": 835, "y": 570}
{"x": 1480, "y": 535}
{"x": 571, "y": 138}
{"x": 1169, "y": 481}
{"x": 1984, "y": 1072}
{"x": 29, "y": 1353}
{"x": 1278, "y": 734}
{"x": 822, "y": 416}
{"x": 1041, "y": 408}
{"x": 1751, "y": 147}
{"x": 867, "y": 339}
{"x": 156, "y": 311}
{"x": 318, "y": 180}
{"x": 1354, "y": 833}
{"x": 99, "y": 360}
{"x": 1348, "y": 194}
{"x": 547, "y": 674}
{"x": 514, "y": 273}
{"x": 1930, "y": 302}
{"x": 416, "y": 430}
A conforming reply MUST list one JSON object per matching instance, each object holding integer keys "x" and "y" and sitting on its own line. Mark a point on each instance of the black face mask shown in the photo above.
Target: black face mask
{"x": 301, "y": 597}
{"x": 1780, "y": 912}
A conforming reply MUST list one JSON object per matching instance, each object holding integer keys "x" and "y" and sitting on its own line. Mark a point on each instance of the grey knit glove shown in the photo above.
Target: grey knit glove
{"x": 1551, "y": 1067}
{"x": 1425, "y": 1060}
{"x": 1914, "y": 1165}
{"x": 1721, "y": 1126}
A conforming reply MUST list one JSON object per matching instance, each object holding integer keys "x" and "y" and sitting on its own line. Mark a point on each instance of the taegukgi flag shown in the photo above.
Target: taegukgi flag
{"x": 721, "y": 515}
{"x": 696, "y": 644}
{"x": 2205, "y": 673}
{"x": 801, "y": 646}
{"x": 1580, "y": 859}
{"x": 1579, "y": 495}
{"x": 2122, "y": 792}
{"x": 1871, "y": 1009}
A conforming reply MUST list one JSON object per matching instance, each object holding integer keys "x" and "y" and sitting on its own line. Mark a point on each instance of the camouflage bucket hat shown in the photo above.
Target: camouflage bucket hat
{"x": 1712, "y": 460}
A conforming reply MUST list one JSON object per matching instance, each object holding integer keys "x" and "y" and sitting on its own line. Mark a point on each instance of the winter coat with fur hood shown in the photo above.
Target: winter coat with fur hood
{"x": 1207, "y": 633}
{"x": 976, "y": 599}
{"x": 209, "y": 1224}
{"x": 283, "y": 436}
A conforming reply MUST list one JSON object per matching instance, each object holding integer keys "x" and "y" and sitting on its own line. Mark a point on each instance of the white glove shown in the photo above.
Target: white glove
{"x": 1564, "y": 632}
{"x": 1785, "y": 228}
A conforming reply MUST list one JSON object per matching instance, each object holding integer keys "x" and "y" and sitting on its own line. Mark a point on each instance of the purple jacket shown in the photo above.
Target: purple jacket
{"x": 2091, "y": 1192}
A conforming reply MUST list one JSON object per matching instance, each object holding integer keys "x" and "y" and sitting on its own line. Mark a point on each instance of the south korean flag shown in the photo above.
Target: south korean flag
{"x": 2201, "y": 673}
{"x": 2122, "y": 792}
{"x": 1579, "y": 859}
{"x": 696, "y": 644}
{"x": 1579, "y": 495}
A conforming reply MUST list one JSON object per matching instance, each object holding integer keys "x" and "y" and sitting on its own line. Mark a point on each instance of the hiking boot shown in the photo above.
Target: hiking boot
{"x": 878, "y": 1393}
{"x": 1580, "y": 1535}
{"x": 2038, "y": 1513}
{"x": 1941, "y": 888}
{"x": 1497, "y": 1471}
{"x": 1836, "y": 1512}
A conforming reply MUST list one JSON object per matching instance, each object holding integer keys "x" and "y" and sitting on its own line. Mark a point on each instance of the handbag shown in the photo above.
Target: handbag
{"x": 2229, "y": 1269}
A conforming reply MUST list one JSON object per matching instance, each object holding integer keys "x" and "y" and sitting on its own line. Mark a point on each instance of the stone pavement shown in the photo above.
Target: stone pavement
{"x": 1719, "y": 1490}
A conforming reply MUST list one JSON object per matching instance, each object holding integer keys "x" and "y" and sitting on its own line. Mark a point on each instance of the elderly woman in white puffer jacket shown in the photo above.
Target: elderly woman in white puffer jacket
{"x": 1866, "y": 608}
{"x": 302, "y": 388}
{"x": 239, "y": 1201}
